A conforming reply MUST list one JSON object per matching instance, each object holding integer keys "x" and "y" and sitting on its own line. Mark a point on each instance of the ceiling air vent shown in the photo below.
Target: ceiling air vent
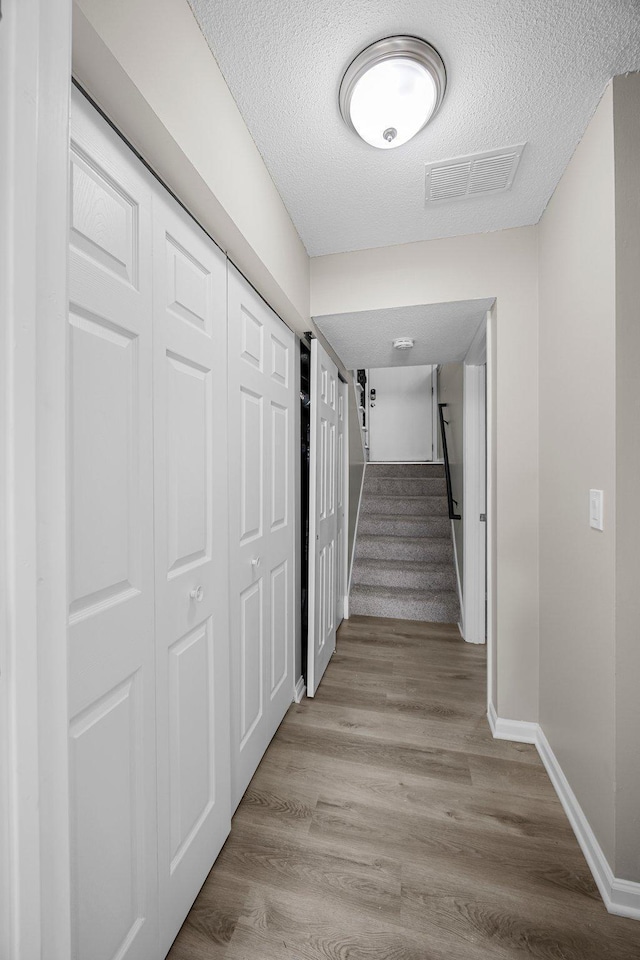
{"x": 472, "y": 176}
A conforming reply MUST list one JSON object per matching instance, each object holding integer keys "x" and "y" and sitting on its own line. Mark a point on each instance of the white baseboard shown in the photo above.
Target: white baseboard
{"x": 300, "y": 690}
{"x": 621, "y": 897}
{"x": 355, "y": 531}
{"x": 458, "y": 583}
{"x": 521, "y": 731}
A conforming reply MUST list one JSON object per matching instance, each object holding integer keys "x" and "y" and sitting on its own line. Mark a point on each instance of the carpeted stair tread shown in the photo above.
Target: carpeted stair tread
{"x": 384, "y": 547}
{"x": 404, "y": 525}
{"x": 405, "y": 470}
{"x": 406, "y": 487}
{"x": 405, "y": 573}
{"x": 435, "y": 606}
{"x": 427, "y": 506}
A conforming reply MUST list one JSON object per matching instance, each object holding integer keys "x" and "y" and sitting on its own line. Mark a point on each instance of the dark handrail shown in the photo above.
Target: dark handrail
{"x": 447, "y": 471}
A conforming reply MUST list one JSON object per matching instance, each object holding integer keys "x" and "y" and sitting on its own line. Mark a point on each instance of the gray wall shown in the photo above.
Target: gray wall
{"x": 450, "y": 391}
{"x": 589, "y": 389}
{"x": 577, "y": 452}
{"x": 626, "y": 122}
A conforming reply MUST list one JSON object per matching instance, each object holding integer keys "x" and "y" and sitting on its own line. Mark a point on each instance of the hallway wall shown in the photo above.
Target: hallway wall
{"x": 131, "y": 55}
{"x": 589, "y": 412}
{"x": 577, "y": 452}
{"x": 626, "y": 127}
{"x": 501, "y": 265}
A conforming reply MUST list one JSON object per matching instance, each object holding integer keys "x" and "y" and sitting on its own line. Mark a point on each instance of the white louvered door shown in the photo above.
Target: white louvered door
{"x": 111, "y": 652}
{"x": 261, "y": 524}
{"x": 190, "y": 412}
{"x": 323, "y": 515}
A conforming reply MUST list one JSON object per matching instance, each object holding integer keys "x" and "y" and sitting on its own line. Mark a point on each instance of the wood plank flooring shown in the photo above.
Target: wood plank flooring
{"x": 385, "y": 823}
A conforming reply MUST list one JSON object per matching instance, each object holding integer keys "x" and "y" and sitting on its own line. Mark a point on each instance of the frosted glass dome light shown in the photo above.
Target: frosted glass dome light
{"x": 391, "y": 90}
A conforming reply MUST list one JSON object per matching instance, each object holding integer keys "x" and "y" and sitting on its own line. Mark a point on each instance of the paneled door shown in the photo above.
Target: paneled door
{"x": 110, "y": 549}
{"x": 342, "y": 461}
{"x": 401, "y": 414}
{"x": 190, "y": 414}
{"x": 261, "y": 524}
{"x": 323, "y": 515}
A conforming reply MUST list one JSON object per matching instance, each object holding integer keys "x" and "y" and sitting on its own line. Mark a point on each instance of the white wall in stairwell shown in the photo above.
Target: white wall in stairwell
{"x": 450, "y": 391}
{"x": 401, "y": 416}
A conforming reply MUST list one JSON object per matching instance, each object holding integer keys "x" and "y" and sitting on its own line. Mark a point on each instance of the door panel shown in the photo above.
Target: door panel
{"x": 401, "y": 416}
{"x": 148, "y": 545}
{"x": 105, "y": 752}
{"x": 110, "y": 543}
{"x": 261, "y": 404}
{"x": 323, "y": 515}
{"x": 191, "y": 546}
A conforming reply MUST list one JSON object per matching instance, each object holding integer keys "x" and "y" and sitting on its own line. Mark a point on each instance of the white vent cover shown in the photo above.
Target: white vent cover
{"x": 472, "y": 176}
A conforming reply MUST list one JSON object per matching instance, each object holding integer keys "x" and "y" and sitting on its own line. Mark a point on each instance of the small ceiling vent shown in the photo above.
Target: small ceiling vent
{"x": 472, "y": 176}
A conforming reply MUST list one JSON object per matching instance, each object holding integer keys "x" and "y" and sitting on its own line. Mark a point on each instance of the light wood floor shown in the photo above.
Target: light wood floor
{"x": 385, "y": 823}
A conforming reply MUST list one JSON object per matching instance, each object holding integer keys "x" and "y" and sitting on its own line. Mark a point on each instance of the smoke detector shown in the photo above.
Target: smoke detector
{"x": 403, "y": 343}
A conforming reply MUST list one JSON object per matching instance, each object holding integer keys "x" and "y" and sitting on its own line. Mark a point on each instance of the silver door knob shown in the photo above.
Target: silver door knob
{"x": 255, "y": 562}
{"x": 197, "y": 594}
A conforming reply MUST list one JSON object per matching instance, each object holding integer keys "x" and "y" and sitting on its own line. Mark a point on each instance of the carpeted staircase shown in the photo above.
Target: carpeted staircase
{"x": 403, "y": 565}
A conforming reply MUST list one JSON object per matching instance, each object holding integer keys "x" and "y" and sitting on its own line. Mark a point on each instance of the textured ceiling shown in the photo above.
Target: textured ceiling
{"x": 529, "y": 71}
{"x": 442, "y": 332}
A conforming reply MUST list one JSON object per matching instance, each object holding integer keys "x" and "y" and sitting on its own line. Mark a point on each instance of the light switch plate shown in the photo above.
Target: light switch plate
{"x": 596, "y": 517}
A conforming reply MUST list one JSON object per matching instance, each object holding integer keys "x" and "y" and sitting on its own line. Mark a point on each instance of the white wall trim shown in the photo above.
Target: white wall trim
{"x": 355, "y": 540}
{"x": 520, "y": 731}
{"x": 475, "y": 502}
{"x": 621, "y": 897}
{"x": 477, "y": 352}
{"x": 300, "y": 690}
{"x": 343, "y": 386}
{"x": 35, "y": 49}
{"x": 434, "y": 412}
{"x": 491, "y": 481}
{"x": 458, "y": 583}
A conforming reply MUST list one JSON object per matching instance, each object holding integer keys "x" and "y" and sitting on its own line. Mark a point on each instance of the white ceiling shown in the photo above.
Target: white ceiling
{"x": 528, "y": 71}
{"x": 443, "y": 333}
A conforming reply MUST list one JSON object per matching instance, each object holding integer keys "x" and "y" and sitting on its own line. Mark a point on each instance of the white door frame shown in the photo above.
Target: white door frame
{"x": 435, "y": 426}
{"x": 343, "y": 390}
{"x": 474, "y": 498}
{"x": 35, "y": 75}
{"x": 347, "y": 389}
{"x": 321, "y": 628}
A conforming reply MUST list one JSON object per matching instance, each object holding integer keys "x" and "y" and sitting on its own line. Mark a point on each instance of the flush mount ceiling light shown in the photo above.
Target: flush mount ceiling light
{"x": 391, "y": 90}
{"x": 403, "y": 343}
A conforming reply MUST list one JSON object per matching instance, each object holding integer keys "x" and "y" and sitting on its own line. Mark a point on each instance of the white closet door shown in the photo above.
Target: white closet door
{"x": 341, "y": 488}
{"x": 323, "y": 515}
{"x": 261, "y": 523}
{"x": 190, "y": 402}
{"x": 110, "y": 542}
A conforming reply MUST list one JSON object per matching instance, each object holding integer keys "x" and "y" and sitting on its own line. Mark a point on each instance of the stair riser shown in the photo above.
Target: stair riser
{"x": 432, "y": 551}
{"x": 404, "y": 488}
{"x": 404, "y": 527}
{"x": 422, "y": 506}
{"x": 404, "y": 470}
{"x": 432, "y": 611}
{"x": 381, "y": 576}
